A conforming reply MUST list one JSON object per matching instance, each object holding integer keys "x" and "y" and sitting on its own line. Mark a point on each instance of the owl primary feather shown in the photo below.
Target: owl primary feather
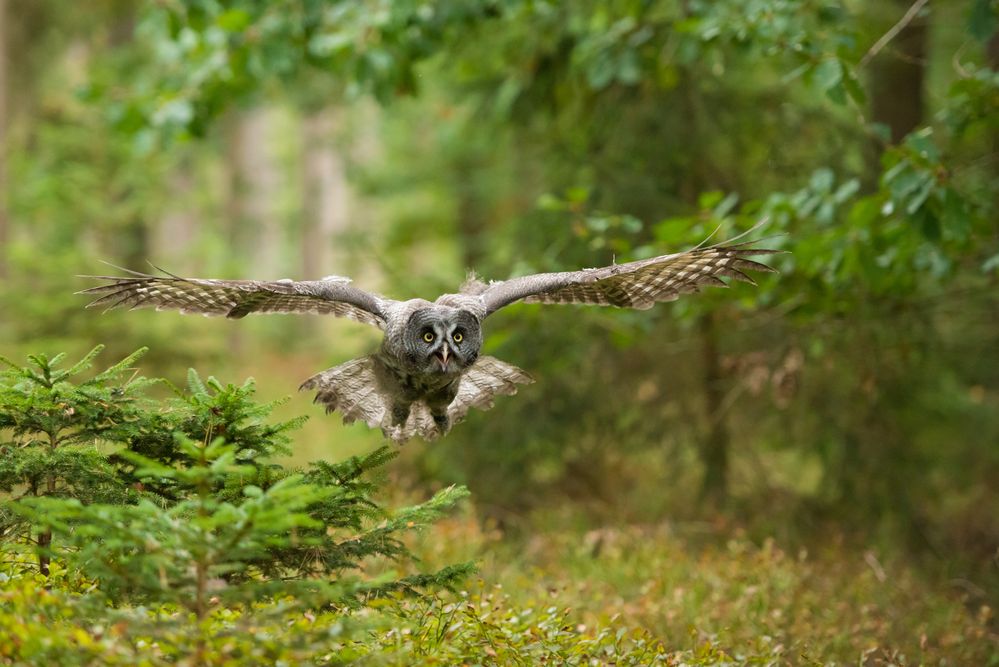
{"x": 428, "y": 371}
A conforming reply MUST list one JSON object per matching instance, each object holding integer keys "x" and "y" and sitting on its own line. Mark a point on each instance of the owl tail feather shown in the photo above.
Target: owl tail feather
{"x": 354, "y": 389}
{"x": 482, "y": 383}
{"x": 361, "y": 390}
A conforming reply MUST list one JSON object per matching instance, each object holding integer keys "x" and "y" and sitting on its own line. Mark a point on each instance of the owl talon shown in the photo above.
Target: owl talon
{"x": 400, "y": 414}
{"x": 442, "y": 422}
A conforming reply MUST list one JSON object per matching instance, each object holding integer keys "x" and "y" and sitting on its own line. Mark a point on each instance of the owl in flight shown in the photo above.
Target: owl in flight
{"x": 428, "y": 372}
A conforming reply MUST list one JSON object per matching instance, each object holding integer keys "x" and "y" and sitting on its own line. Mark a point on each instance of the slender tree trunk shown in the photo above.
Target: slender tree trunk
{"x": 254, "y": 232}
{"x": 45, "y": 537}
{"x": 255, "y": 225}
{"x": 4, "y": 222}
{"x": 136, "y": 232}
{"x": 135, "y": 237}
{"x": 898, "y": 73}
{"x": 174, "y": 234}
{"x": 471, "y": 213}
{"x": 716, "y": 443}
{"x": 992, "y": 54}
{"x": 44, "y": 541}
{"x": 327, "y": 198}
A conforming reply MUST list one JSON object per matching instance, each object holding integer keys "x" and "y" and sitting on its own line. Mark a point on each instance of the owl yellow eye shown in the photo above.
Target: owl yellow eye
{"x": 458, "y": 337}
{"x": 429, "y": 337}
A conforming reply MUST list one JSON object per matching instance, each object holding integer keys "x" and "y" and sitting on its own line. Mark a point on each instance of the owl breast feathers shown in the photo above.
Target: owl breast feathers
{"x": 428, "y": 372}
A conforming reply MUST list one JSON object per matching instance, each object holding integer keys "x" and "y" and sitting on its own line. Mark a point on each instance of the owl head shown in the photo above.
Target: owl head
{"x": 442, "y": 340}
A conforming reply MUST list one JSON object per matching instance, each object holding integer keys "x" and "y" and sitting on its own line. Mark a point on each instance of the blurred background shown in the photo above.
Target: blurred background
{"x": 850, "y": 403}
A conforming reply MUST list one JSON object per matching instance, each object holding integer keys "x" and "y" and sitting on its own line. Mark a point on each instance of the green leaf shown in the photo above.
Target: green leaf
{"x": 846, "y": 190}
{"x": 920, "y": 195}
{"x": 194, "y": 383}
{"x": 828, "y": 74}
{"x": 327, "y": 44}
{"x": 726, "y": 205}
{"x": 600, "y": 71}
{"x": 708, "y": 200}
{"x": 233, "y": 20}
{"x": 629, "y": 71}
{"x": 983, "y": 19}
{"x": 853, "y": 88}
{"x": 87, "y": 360}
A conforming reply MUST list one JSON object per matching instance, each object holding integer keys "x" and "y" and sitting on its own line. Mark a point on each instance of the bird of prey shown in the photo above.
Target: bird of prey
{"x": 428, "y": 371}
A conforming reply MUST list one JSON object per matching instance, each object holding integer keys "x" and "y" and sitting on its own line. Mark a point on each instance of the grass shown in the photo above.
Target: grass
{"x": 708, "y": 599}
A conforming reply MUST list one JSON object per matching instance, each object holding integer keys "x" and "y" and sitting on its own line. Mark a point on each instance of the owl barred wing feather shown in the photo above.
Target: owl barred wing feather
{"x": 640, "y": 284}
{"x": 237, "y": 298}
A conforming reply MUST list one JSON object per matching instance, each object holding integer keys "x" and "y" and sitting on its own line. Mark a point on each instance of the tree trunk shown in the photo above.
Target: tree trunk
{"x": 327, "y": 198}
{"x": 175, "y": 231}
{"x": 4, "y": 223}
{"x": 44, "y": 540}
{"x": 471, "y": 213}
{"x": 45, "y": 537}
{"x": 897, "y": 76}
{"x": 992, "y": 54}
{"x": 714, "y": 454}
{"x": 135, "y": 238}
{"x": 255, "y": 229}
{"x": 136, "y": 232}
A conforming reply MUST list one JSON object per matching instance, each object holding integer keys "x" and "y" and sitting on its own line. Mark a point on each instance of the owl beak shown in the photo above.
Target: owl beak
{"x": 442, "y": 357}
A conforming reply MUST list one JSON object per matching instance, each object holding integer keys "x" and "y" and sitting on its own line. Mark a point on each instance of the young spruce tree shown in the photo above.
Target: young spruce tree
{"x": 184, "y": 509}
{"x": 56, "y": 425}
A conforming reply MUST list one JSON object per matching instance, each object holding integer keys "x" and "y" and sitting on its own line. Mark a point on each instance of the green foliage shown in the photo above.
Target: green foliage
{"x": 210, "y": 410}
{"x": 180, "y": 538}
{"x": 55, "y": 425}
{"x": 641, "y": 595}
{"x": 210, "y": 54}
{"x": 143, "y": 553}
{"x": 485, "y": 627}
{"x": 42, "y": 406}
{"x": 43, "y": 626}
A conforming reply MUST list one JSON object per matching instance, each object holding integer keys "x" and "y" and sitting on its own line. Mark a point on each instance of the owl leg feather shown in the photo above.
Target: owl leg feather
{"x": 439, "y": 402}
{"x": 442, "y": 422}
{"x": 400, "y": 413}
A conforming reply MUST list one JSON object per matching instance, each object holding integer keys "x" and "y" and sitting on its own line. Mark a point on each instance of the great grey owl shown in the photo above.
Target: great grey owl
{"x": 428, "y": 372}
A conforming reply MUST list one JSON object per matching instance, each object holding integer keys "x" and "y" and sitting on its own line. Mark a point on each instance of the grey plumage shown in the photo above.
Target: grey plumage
{"x": 428, "y": 372}
{"x": 359, "y": 387}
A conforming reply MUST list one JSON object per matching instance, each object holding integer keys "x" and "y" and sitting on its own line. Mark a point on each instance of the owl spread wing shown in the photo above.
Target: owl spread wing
{"x": 238, "y": 298}
{"x": 639, "y": 284}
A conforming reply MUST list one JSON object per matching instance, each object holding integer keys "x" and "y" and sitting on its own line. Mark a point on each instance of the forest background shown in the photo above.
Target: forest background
{"x": 814, "y": 461}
